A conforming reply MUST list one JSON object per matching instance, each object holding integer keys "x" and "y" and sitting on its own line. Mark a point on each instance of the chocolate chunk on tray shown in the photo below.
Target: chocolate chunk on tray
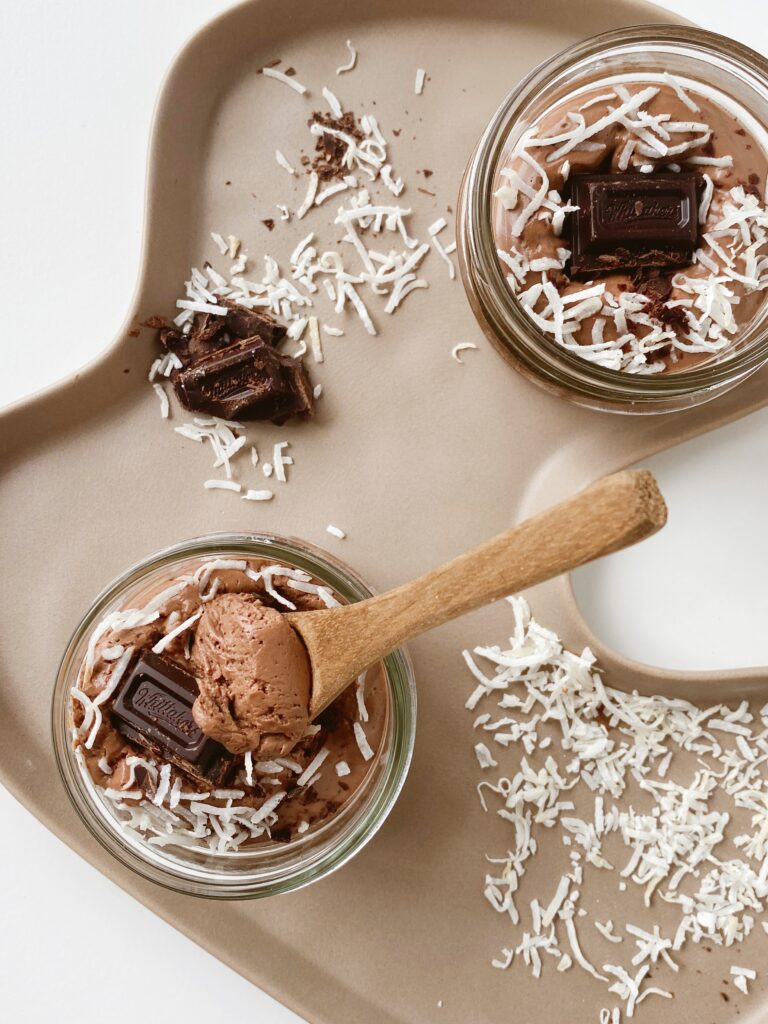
{"x": 212, "y": 332}
{"x": 626, "y": 221}
{"x": 246, "y": 381}
{"x": 153, "y": 709}
{"x": 230, "y": 367}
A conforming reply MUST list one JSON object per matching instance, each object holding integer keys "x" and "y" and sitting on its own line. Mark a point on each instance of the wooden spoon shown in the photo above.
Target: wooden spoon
{"x": 613, "y": 513}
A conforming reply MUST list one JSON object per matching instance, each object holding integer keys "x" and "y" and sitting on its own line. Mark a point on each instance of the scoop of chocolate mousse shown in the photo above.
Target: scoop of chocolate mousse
{"x": 254, "y": 677}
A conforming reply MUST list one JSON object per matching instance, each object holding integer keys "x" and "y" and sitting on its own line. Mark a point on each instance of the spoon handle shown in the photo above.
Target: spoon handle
{"x": 611, "y": 514}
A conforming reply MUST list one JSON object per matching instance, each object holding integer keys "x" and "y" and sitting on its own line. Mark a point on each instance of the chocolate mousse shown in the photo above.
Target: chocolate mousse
{"x": 254, "y": 676}
{"x": 190, "y": 717}
{"x": 631, "y": 225}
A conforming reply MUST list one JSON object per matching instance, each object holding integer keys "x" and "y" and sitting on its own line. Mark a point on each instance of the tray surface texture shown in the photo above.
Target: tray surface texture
{"x": 414, "y": 456}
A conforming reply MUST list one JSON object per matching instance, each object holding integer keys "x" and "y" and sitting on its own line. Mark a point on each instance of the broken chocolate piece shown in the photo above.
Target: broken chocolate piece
{"x": 249, "y": 380}
{"x": 153, "y": 708}
{"x": 229, "y": 367}
{"x": 657, "y": 286}
{"x": 211, "y": 332}
{"x": 628, "y": 221}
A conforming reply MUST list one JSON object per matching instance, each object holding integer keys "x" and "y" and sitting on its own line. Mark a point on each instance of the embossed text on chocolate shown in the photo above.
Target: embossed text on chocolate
{"x": 620, "y": 210}
{"x": 164, "y": 708}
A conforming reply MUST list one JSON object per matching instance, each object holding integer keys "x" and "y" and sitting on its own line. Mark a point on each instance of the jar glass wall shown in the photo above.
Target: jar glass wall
{"x": 734, "y": 71}
{"x": 271, "y": 867}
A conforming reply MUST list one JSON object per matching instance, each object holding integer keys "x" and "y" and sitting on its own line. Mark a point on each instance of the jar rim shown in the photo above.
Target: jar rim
{"x": 322, "y": 850}
{"x": 531, "y": 348}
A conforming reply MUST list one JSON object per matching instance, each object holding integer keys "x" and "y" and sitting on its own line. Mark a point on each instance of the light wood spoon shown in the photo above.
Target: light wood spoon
{"x": 612, "y": 514}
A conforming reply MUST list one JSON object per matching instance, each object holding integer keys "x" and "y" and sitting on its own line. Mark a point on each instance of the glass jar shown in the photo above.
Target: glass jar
{"x": 732, "y": 69}
{"x": 260, "y": 870}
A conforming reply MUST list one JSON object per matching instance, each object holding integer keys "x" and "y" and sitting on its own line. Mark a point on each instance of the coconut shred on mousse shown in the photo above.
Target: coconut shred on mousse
{"x": 631, "y": 224}
{"x": 190, "y": 718}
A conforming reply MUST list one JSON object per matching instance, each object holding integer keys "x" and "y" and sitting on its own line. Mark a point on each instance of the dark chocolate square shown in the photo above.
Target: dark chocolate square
{"x": 626, "y": 221}
{"x": 153, "y": 708}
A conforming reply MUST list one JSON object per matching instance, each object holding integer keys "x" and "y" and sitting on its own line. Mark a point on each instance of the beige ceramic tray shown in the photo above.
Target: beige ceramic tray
{"x": 416, "y": 457}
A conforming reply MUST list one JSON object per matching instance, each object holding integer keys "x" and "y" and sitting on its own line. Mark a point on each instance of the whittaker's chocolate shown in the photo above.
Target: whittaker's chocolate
{"x": 231, "y": 368}
{"x": 246, "y": 381}
{"x": 211, "y": 332}
{"x": 626, "y": 221}
{"x": 153, "y": 708}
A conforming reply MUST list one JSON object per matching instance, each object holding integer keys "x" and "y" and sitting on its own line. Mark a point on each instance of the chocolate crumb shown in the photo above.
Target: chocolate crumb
{"x": 127, "y": 370}
{"x": 227, "y": 182}
{"x": 603, "y": 719}
{"x": 752, "y": 186}
{"x": 657, "y": 286}
{"x": 329, "y": 150}
{"x": 134, "y": 333}
{"x": 427, "y": 173}
{"x": 396, "y": 131}
{"x": 290, "y": 72}
{"x": 269, "y": 224}
{"x": 155, "y": 322}
{"x": 740, "y": 131}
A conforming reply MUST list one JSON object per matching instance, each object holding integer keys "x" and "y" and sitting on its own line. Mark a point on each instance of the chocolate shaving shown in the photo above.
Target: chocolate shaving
{"x": 329, "y": 151}
{"x": 154, "y": 322}
{"x": 657, "y": 286}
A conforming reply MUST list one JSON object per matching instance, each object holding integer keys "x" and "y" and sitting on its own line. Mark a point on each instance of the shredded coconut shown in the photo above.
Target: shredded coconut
{"x": 294, "y": 83}
{"x": 463, "y": 346}
{"x": 666, "y": 834}
{"x": 284, "y": 163}
{"x": 342, "y": 68}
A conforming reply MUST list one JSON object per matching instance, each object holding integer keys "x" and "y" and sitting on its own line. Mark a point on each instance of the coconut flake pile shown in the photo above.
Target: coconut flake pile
{"x": 579, "y": 742}
{"x": 627, "y": 334}
{"x": 368, "y": 276}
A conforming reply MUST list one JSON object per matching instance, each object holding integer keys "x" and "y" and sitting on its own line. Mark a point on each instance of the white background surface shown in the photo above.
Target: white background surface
{"x": 78, "y": 80}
